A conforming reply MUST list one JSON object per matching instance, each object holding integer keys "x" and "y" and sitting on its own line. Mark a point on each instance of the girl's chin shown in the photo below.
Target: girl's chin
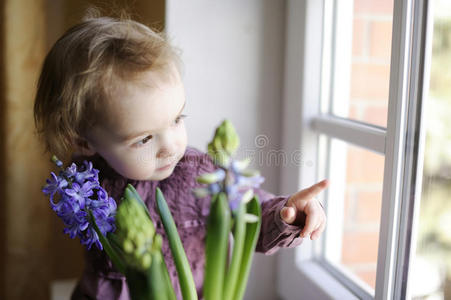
{"x": 160, "y": 175}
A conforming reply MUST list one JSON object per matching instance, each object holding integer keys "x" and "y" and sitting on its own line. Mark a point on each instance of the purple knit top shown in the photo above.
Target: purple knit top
{"x": 100, "y": 280}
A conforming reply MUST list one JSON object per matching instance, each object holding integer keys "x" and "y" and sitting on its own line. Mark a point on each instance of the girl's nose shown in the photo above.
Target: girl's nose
{"x": 164, "y": 153}
{"x": 167, "y": 148}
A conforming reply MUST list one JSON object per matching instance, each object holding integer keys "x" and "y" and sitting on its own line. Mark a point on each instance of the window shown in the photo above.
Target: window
{"x": 361, "y": 69}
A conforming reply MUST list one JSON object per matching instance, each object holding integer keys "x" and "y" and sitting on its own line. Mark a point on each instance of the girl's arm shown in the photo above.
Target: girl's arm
{"x": 276, "y": 233}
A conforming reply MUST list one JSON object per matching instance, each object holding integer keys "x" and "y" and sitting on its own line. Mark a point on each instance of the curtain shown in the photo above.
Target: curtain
{"x": 26, "y": 218}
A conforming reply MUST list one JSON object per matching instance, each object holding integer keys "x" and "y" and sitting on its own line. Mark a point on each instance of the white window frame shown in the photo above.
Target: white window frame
{"x": 301, "y": 273}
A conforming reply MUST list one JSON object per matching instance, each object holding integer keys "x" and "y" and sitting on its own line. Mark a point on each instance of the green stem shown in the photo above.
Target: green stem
{"x": 182, "y": 266}
{"x": 250, "y": 242}
{"x": 138, "y": 285}
{"x": 164, "y": 270}
{"x": 112, "y": 254}
{"x": 218, "y": 227}
{"x": 238, "y": 234}
{"x": 159, "y": 286}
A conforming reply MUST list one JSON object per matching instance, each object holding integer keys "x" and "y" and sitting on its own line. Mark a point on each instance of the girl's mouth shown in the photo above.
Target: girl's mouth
{"x": 165, "y": 167}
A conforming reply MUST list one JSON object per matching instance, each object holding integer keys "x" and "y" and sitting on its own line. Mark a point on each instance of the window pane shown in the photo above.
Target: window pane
{"x": 431, "y": 268}
{"x": 354, "y": 208}
{"x": 359, "y": 86}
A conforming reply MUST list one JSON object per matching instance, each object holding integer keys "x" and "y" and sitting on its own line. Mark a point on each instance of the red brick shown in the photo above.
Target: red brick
{"x": 348, "y": 207}
{"x": 380, "y": 39}
{"x": 368, "y": 208}
{"x": 376, "y": 115}
{"x": 364, "y": 166}
{"x": 358, "y": 37}
{"x": 359, "y": 247}
{"x": 368, "y": 276}
{"x": 353, "y": 110}
{"x": 370, "y": 81}
{"x": 362, "y": 110}
{"x": 384, "y": 7}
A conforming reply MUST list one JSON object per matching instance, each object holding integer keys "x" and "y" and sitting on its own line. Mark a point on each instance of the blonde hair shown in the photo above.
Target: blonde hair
{"x": 83, "y": 66}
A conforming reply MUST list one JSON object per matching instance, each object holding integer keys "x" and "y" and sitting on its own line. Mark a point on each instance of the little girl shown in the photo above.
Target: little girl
{"x": 110, "y": 92}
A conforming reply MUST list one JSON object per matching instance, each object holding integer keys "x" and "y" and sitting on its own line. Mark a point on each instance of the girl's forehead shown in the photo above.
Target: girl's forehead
{"x": 146, "y": 106}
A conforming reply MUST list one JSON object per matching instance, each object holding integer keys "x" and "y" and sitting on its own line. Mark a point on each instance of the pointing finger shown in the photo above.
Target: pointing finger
{"x": 313, "y": 190}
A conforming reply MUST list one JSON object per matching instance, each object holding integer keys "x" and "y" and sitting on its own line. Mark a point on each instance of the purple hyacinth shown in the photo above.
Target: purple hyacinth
{"x": 234, "y": 180}
{"x": 81, "y": 174}
{"x": 79, "y": 193}
{"x": 55, "y": 184}
{"x": 238, "y": 184}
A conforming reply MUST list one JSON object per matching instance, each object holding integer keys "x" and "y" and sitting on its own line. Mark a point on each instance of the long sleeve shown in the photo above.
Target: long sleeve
{"x": 276, "y": 233}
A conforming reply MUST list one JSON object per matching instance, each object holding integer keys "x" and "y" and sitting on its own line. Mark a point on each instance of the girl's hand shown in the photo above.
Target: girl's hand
{"x": 304, "y": 201}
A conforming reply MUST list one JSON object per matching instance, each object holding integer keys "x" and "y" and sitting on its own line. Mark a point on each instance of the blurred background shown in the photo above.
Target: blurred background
{"x": 233, "y": 54}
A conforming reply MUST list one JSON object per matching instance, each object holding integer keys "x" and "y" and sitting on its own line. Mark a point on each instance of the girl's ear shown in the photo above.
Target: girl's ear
{"x": 83, "y": 147}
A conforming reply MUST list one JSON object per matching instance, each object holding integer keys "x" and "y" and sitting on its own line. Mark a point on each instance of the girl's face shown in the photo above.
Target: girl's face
{"x": 144, "y": 135}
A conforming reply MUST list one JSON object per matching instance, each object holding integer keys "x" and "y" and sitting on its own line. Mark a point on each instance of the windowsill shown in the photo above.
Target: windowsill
{"x": 323, "y": 282}
{"x": 301, "y": 277}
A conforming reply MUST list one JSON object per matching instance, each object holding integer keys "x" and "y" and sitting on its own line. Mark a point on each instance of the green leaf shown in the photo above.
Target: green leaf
{"x": 131, "y": 192}
{"x": 165, "y": 273}
{"x": 238, "y": 234}
{"x": 112, "y": 254}
{"x": 115, "y": 243}
{"x": 250, "y": 242}
{"x": 218, "y": 226}
{"x": 137, "y": 285}
{"x": 157, "y": 279}
{"x": 185, "y": 276}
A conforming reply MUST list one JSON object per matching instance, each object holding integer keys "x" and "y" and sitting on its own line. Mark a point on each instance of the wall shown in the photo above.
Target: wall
{"x": 233, "y": 57}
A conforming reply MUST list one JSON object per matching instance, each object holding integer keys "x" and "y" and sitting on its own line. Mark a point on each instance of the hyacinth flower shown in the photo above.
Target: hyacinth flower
{"x": 75, "y": 193}
{"x": 233, "y": 203}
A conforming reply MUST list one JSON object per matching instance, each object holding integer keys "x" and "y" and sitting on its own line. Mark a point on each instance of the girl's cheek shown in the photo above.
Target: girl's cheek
{"x": 182, "y": 136}
{"x": 145, "y": 157}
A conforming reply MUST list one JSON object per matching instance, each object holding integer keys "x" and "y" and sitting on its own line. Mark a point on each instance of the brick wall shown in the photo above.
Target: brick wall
{"x": 371, "y": 60}
{"x": 369, "y": 101}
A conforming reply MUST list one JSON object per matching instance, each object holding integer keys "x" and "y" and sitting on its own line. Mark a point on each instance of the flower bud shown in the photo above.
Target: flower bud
{"x": 56, "y": 161}
{"x": 224, "y": 143}
{"x": 136, "y": 233}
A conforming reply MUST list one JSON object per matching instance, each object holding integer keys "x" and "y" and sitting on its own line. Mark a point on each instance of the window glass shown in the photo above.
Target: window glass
{"x": 354, "y": 207}
{"x": 362, "y": 34}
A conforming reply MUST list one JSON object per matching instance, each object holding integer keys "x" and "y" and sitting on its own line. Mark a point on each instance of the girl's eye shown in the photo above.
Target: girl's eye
{"x": 179, "y": 119}
{"x": 144, "y": 140}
